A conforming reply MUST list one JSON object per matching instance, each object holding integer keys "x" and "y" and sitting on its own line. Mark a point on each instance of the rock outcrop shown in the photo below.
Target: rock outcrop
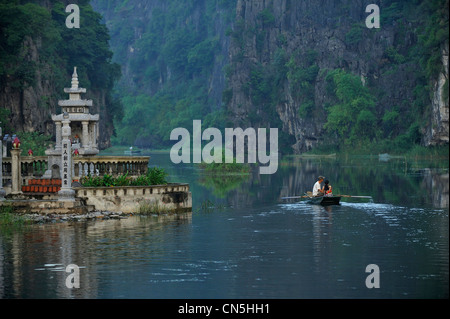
{"x": 437, "y": 131}
{"x": 46, "y": 71}
{"x": 335, "y": 31}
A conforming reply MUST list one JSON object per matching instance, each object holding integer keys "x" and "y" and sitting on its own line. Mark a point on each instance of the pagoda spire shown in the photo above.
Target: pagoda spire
{"x": 75, "y": 91}
{"x": 75, "y": 78}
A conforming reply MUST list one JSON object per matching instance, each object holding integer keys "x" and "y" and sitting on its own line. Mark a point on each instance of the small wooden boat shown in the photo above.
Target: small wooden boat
{"x": 131, "y": 152}
{"x": 324, "y": 200}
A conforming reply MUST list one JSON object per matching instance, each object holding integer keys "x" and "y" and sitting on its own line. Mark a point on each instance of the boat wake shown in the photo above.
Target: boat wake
{"x": 390, "y": 213}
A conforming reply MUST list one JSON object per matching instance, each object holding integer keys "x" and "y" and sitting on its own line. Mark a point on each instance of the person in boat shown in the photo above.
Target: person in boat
{"x": 327, "y": 189}
{"x": 317, "y": 190}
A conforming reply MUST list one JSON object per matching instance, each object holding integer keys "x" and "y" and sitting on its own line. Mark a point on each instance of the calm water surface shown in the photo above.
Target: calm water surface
{"x": 249, "y": 243}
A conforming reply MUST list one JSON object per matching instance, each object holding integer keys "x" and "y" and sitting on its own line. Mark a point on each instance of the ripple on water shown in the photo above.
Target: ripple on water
{"x": 388, "y": 212}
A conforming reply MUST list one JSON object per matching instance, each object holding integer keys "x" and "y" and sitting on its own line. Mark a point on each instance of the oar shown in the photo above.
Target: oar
{"x": 304, "y": 196}
{"x": 353, "y": 196}
{"x": 292, "y": 197}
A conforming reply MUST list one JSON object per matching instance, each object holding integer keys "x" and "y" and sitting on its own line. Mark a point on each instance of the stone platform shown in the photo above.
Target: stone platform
{"x": 125, "y": 199}
{"x": 47, "y": 206}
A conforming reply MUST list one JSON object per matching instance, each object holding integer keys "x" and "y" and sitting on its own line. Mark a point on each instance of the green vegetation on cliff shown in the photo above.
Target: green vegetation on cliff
{"x": 168, "y": 52}
{"x": 174, "y": 59}
{"x": 36, "y": 48}
{"x": 347, "y": 87}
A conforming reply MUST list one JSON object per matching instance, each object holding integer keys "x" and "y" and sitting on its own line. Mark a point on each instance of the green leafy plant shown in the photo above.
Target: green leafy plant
{"x": 121, "y": 180}
{"x": 154, "y": 176}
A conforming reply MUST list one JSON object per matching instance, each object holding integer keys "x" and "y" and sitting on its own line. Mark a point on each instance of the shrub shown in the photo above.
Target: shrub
{"x": 154, "y": 176}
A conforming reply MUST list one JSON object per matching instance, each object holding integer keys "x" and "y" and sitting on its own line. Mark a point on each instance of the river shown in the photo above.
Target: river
{"x": 242, "y": 241}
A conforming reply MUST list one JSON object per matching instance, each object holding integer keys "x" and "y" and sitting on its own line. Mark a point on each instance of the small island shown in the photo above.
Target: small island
{"x": 73, "y": 179}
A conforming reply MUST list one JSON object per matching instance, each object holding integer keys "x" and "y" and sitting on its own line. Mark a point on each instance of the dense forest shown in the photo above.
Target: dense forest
{"x": 313, "y": 69}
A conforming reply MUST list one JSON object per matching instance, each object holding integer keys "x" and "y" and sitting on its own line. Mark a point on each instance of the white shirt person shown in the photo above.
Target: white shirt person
{"x": 317, "y": 190}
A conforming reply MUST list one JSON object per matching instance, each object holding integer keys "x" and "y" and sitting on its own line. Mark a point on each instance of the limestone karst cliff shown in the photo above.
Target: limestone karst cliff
{"x": 38, "y": 53}
{"x": 321, "y": 36}
{"x": 285, "y": 64}
{"x": 313, "y": 69}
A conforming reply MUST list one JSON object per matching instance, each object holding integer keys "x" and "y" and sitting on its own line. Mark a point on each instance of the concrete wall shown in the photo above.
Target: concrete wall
{"x": 127, "y": 199}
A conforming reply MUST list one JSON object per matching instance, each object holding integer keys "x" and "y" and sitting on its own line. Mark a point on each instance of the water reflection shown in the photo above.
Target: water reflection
{"x": 34, "y": 261}
{"x": 256, "y": 246}
{"x": 322, "y": 231}
{"x": 437, "y": 185}
{"x": 394, "y": 182}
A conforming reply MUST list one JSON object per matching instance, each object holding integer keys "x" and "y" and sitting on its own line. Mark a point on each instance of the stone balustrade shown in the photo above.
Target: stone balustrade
{"x": 35, "y": 166}
{"x": 112, "y": 165}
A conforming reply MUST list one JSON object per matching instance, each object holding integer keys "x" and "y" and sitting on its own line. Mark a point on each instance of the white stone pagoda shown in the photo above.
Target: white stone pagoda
{"x": 84, "y": 126}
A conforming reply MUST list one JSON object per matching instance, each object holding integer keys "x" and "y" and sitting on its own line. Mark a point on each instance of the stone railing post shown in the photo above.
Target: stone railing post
{"x": 16, "y": 175}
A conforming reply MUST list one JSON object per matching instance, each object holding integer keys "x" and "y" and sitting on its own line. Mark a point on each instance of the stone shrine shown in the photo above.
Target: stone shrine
{"x": 84, "y": 128}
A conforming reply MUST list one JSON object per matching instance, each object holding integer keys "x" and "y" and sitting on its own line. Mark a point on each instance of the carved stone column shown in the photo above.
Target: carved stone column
{"x": 85, "y": 137}
{"x": 58, "y": 135}
{"x": 92, "y": 134}
{"x": 66, "y": 193}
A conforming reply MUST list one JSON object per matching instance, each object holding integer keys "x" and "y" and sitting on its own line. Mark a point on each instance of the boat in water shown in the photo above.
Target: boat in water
{"x": 132, "y": 151}
{"x": 322, "y": 200}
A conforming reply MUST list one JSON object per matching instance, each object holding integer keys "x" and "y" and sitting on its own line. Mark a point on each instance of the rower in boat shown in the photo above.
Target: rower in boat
{"x": 323, "y": 195}
{"x": 317, "y": 190}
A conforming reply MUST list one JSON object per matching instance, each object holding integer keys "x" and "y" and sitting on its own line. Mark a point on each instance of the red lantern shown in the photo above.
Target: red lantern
{"x": 30, "y": 152}
{"x": 16, "y": 143}
{"x": 75, "y": 152}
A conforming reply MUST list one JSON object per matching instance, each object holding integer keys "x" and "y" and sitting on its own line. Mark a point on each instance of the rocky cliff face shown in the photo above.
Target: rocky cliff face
{"x": 272, "y": 67}
{"x": 335, "y": 31}
{"x": 132, "y": 50}
{"x": 30, "y": 107}
{"x": 437, "y": 130}
{"x": 32, "y": 103}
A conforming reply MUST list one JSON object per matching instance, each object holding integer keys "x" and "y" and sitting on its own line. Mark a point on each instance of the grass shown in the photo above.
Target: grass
{"x": 434, "y": 152}
{"x": 9, "y": 219}
{"x": 150, "y": 207}
{"x": 415, "y": 152}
